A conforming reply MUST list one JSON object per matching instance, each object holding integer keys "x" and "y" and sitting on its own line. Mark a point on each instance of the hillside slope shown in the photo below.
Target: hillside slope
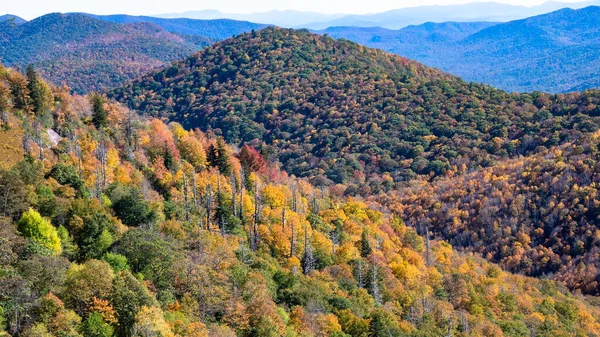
{"x": 343, "y": 113}
{"x": 130, "y": 227}
{"x": 90, "y": 54}
{"x": 535, "y": 215}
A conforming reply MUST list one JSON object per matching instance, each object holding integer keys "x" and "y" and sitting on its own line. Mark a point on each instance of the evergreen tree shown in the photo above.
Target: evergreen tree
{"x": 99, "y": 114}
{"x": 211, "y": 155}
{"x": 222, "y": 159}
{"x": 39, "y": 93}
{"x": 365, "y": 246}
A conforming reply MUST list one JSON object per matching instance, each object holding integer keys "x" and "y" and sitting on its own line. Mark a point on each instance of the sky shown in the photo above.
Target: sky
{"x": 29, "y": 9}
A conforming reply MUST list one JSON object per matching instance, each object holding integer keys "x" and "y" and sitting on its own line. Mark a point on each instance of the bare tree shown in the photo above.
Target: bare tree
{"x": 293, "y": 240}
{"x": 209, "y": 202}
{"x": 308, "y": 260}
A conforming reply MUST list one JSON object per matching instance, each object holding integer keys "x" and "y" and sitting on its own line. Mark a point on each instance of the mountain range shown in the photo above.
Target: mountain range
{"x": 93, "y": 53}
{"x": 393, "y": 19}
{"x": 286, "y": 183}
{"x": 217, "y": 29}
{"x": 554, "y": 52}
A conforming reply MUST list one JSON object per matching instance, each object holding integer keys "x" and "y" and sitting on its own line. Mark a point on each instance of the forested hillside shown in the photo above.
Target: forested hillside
{"x": 431, "y": 147}
{"x": 116, "y": 225}
{"x": 536, "y": 215}
{"x": 90, "y": 54}
{"x": 342, "y": 113}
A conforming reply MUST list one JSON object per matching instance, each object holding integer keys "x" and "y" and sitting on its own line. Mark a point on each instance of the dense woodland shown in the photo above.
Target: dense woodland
{"x": 116, "y": 225}
{"x": 342, "y": 113}
{"x": 510, "y": 176}
{"x": 535, "y": 215}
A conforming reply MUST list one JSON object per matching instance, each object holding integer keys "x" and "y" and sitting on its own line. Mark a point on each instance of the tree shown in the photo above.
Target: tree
{"x": 95, "y": 326}
{"x": 150, "y": 322}
{"x": 39, "y": 230}
{"x": 99, "y": 114}
{"x": 92, "y": 279}
{"x": 40, "y": 95}
{"x": 308, "y": 260}
{"x": 365, "y": 245}
{"x": 150, "y": 254}
{"x": 128, "y": 296}
{"x": 130, "y": 206}
{"x": 384, "y": 324}
{"x": 222, "y": 160}
{"x": 252, "y": 160}
{"x": 20, "y": 92}
{"x": 13, "y": 194}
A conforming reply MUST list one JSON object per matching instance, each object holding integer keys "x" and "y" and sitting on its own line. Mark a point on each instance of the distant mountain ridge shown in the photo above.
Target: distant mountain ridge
{"x": 218, "y": 29}
{"x": 12, "y": 18}
{"x": 91, "y": 54}
{"x": 392, "y": 19}
{"x": 554, "y": 52}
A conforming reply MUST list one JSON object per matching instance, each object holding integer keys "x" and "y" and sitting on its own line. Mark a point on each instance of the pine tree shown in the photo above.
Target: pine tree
{"x": 39, "y": 93}
{"x": 212, "y": 155}
{"x": 99, "y": 114}
{"x": 222, "y": 161}
{"x": 365, "y": 246}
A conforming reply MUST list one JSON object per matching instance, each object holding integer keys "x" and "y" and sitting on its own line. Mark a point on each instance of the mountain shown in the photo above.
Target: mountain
{"x": 393, "y": 19}
{"x": 213, "y": 29}
{"x": 122, "y": 226}
{"x": 282, "y": 18}
{"x": 555, "y": 52}
{"x": 12, "y": 18}
{"x": 476, "y": 11}
{"x": 91, "y": 54}
{"x": 330, "y": 108}
{"x": 414, "y": 42}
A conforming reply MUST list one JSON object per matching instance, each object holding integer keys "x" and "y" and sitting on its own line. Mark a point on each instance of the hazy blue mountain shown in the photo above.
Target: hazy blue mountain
{"x": 556, "y": 52}
{"x": 287, "y": 18}
{"x": 215, "y": 29}
{"x": 12, "y": 18}
{"x": 393, "y": 19}
{"x": 91, "y": 54}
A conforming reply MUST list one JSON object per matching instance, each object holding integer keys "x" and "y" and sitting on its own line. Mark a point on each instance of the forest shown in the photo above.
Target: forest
{"x": 512, "y": 177}
{"x": 342, "y": 113}
{"x": 114, "y": 224}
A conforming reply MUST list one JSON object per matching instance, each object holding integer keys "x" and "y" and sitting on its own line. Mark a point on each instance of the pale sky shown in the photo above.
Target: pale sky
{"x": 29, "y": 9}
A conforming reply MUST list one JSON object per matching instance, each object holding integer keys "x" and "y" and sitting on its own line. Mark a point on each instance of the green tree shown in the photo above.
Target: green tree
{"x": 39, "y": 230}
{"x": 99, "y": 114}
{"x": 130, "y": 206}
{"x": 117, "y": 262}
{"x": 40, "y": 95}
{"x": 222, "y": 160}
{"x": 95, "y": 326}
{"x": 365, "y": 245}
{"x": 128, "y": 296}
